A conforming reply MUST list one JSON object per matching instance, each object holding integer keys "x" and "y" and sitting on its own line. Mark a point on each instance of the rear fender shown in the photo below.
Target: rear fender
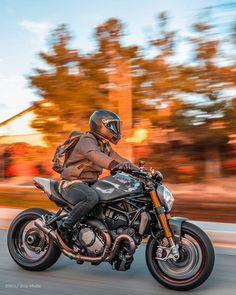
{"x": 43, "y": 184}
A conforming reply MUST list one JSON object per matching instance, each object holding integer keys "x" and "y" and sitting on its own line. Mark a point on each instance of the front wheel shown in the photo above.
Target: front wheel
{"x": 28, "y": 246}
{"x": 194, "y": 265}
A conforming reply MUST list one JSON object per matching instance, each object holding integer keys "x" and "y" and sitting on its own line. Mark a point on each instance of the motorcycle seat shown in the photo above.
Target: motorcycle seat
{"x": 51, "y": 188}
{"x": 55, "y": 194}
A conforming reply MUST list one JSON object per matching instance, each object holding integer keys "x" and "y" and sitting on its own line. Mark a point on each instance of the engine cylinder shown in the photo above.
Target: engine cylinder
{"x": 87, "y": 237}
{"x": 91, "y": 240}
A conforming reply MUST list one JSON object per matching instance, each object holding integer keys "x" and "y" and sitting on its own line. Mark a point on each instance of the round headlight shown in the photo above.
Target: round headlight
{"x": 165, "y": 196}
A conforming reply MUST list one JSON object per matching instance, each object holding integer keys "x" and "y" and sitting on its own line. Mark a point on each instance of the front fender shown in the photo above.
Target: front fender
{"x": 175, "y": 224}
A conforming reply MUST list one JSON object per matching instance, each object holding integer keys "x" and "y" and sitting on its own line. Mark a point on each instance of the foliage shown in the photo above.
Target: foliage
{"x": 74, "y": 85}
{"x": 209, "y": 116}
{"x": 194, "y": 97}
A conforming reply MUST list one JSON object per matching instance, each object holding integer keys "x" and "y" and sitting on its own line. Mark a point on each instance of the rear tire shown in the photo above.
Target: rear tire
{"x": 188, "y": 272}
{"x": 21, "y": 233}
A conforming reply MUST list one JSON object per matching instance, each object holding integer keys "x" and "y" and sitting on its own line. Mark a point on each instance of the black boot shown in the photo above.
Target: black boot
{"x": 66, "y": 234}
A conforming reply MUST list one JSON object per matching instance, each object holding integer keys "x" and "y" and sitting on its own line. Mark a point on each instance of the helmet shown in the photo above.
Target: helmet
{"x": 106, "y": 124}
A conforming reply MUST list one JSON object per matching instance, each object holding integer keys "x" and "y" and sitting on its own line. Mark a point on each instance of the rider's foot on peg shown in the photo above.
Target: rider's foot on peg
{"x": 66, "y": 234}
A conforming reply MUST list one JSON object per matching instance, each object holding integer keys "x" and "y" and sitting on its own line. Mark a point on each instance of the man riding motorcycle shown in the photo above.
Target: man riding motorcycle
{"x": 133, "y": 205}
{"x": 91, "y": 154}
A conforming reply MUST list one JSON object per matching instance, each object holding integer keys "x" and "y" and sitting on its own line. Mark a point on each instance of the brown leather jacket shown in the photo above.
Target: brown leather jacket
{"x": 88, "y": 159}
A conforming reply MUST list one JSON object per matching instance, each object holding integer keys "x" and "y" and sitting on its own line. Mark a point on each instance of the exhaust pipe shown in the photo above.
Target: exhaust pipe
{"x": 122, "y": 237}
{"x": 67, "y": 250}
{"x": 104, "y": 257}
{"x": 52, "y": 234}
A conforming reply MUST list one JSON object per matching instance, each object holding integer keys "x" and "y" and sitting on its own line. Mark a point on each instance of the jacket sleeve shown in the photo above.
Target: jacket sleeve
{"x": 118, "y": 158}
{"x": 89, "y": 148}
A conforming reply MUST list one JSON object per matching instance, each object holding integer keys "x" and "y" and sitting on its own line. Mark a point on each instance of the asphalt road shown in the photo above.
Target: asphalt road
{"x": 66, "y": 277}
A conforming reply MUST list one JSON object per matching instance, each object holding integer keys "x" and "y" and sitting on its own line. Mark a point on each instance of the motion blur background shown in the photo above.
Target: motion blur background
{"x": 168, "y": 68}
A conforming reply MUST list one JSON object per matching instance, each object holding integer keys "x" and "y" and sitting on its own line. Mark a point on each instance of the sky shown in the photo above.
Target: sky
{"x": 26, "y": 24}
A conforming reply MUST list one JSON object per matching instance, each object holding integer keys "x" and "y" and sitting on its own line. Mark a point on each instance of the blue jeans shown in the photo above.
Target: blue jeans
{"x": 83, "y": 197}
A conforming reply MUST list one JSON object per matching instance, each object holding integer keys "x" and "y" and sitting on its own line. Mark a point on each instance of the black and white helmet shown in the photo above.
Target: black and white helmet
{"x": 106, "y": 124}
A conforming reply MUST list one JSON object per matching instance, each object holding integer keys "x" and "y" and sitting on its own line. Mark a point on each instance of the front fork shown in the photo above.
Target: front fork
{"x": 163, "y": 217}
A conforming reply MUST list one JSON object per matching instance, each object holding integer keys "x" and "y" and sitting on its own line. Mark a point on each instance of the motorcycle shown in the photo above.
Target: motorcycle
{"x": 134, "y": 205}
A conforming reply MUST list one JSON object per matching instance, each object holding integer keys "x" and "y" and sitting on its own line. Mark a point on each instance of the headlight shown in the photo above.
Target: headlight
{"x": 165, "y": 196}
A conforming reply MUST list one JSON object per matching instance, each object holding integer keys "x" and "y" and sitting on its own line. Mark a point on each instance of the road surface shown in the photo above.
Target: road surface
{"x": 68, "y": 278}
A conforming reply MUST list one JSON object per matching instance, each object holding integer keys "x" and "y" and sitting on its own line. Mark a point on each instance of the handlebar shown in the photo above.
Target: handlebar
{"x": 136, "y": 173}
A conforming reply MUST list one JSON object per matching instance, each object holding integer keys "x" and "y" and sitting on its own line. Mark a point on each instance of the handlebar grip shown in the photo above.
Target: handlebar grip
{"x": 115, "y": 170}
{"x": 129, "y": 171}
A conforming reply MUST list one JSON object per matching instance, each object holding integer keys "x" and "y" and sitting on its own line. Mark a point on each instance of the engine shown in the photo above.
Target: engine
{"x": 91, "y": 240}
{"x": 115, "y": 220}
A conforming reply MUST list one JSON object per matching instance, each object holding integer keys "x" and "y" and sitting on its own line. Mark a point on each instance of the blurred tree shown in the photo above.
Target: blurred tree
{"x": 165, "y": 78}
{"x": 62, "y": 87}
{"x": 196, "y": 97}
{"x": 207, "y": 116}
{"x": 114, "y": 57}
{"x": 74, "y": 85}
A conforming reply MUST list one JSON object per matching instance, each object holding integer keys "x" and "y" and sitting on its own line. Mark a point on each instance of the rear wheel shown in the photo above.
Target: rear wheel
{"x": 192, "y": 268}
{"x": 28, "y": 246}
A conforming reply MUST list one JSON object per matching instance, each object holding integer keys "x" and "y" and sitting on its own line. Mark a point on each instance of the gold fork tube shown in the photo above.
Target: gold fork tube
{"x": 162, "y": 216}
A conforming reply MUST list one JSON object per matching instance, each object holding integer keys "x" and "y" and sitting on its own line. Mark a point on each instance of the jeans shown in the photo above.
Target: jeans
{"x": 83, "y": 197}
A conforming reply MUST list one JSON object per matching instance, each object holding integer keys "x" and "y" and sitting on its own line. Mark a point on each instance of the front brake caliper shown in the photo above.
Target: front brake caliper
{"x": 164, "y": 253}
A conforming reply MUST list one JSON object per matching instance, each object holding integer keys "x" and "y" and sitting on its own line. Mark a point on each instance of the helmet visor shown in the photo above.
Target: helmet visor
{"x": 114, "y": 126}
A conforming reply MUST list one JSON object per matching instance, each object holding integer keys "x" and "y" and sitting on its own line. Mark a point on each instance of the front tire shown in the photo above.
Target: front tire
{"x": 29, "y": 247}
{"x": 192, "y": 268}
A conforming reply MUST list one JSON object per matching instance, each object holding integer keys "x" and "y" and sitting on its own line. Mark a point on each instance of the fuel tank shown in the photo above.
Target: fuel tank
{"x": 115, "y": 186}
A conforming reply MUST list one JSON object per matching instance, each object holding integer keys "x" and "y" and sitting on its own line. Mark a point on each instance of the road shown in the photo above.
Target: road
{"x": 68, "y": 278}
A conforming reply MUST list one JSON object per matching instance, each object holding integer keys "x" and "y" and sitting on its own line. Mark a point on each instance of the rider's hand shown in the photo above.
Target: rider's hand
{"x": 126, "y": 166}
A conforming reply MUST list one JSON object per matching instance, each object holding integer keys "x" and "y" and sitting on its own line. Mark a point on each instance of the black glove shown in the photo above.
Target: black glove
{"x": 125, "y": 166}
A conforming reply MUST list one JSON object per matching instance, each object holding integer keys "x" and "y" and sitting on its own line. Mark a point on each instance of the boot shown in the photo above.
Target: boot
{"x": 66, "y": 234}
